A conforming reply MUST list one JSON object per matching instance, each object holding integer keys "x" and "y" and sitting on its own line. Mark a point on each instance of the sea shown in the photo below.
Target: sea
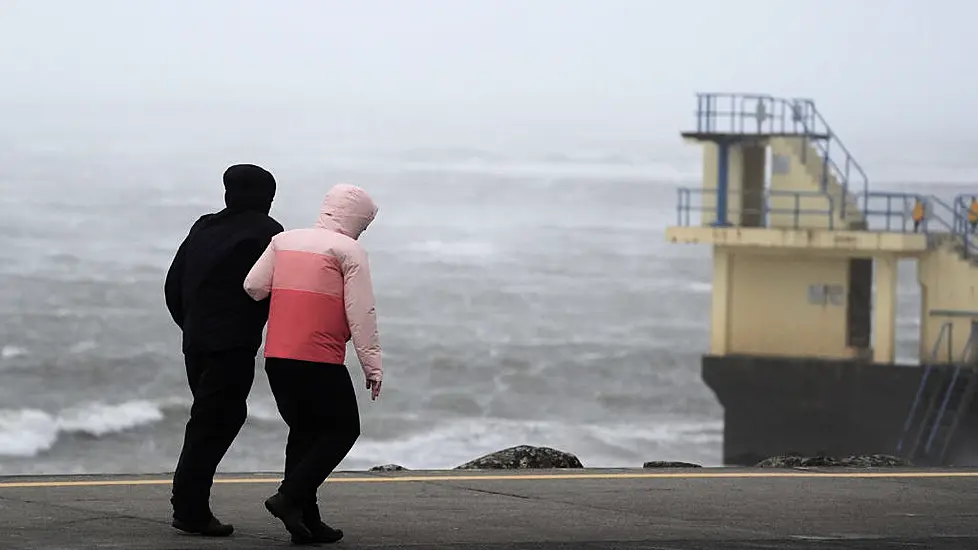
{"x": 524, "y": 297}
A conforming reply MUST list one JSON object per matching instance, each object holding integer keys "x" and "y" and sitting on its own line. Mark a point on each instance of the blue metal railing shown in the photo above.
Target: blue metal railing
{"x": 962, "y": 210}
{"x": 737, "y": 114}
{"x": 947, "y": 330}
{"x": 965, "y": 358}
{"x": 939, "y": 217}
{"x": 891, "y": 207}
{"x": 940, "y": 412}
{"x": 958, "y": 227}
{"x": 962, "y": 206}
{"x": 936, "y": 205}
{"x": 761, "y": 114}
{"x": 899, "y": 206}
{"x": 685, "y": 206}
{"x": 849, "y": 169}
{"x": 731, "y": 113}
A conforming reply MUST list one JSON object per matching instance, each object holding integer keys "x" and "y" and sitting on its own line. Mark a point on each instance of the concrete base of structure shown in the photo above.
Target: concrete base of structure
{"x": 781, "y": 405}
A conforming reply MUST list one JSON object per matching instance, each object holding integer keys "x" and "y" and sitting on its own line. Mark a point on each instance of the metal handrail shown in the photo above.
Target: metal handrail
{"x": 962, "y": 208}
{"x": 950, "y": 389}
{"x": 802, "y": 114}
{"x": 947, "y": 328}
{"x": 933, "y": 206}
{"x": 942, "y": 409}
{"x": 781, "y": 115}
{"x": 684, "y": 205}
{"x": 888, "y": 213}
{"x": 970, "y": 346}
{"x": 962, "y": 205}
{"x": 850, "y": 160}
{"x": 952, "y": 227}
{"x": 958, "y": 227}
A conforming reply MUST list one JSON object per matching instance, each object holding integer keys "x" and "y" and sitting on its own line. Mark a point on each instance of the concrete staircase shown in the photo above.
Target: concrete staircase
{"x": 828, "y": 169}
{"x": 965, "y": 250}
{"x": 963, "y": 246}
{"x": 826, "y": 179}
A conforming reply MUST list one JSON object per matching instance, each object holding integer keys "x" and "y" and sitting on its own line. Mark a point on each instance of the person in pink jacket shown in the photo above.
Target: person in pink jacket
{"x": 321, "y": 297}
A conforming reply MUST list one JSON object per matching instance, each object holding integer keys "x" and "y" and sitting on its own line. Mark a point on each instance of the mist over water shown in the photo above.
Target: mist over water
{"x": 525, "y": 157}
{"x": 524, "y": 298}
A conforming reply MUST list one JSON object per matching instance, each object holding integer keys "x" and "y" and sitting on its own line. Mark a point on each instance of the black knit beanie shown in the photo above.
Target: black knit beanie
{"x": 248, "y": 187}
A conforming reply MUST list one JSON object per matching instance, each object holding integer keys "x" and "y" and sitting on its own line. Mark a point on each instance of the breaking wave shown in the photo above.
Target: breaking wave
{"x": 28, "y": 432}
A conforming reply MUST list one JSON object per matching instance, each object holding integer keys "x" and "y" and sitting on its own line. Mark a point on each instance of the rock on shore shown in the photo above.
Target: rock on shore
{"x": 855, "y": 461}
{"x": 388, "y": 468}
{"x": 522, "y": 457}
{"x": 669, "y": 464}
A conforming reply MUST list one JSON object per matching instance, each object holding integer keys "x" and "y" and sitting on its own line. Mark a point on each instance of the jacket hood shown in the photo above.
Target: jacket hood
{"x": 248, "y": 187}
{"x": 347, "y": 209}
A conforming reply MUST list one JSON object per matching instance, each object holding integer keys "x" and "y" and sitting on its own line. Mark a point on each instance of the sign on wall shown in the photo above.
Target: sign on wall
{"x": 780, "y": 164}
{"x": 824, "y": 295}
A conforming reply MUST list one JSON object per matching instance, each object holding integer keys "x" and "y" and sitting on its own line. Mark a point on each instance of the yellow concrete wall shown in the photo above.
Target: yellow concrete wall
{"x": 722, "y": 293}
{"x": 947, "y": 282}
{"x": 766, "y": 300}
{"x": 807, "y": 176}
{"x": 884, "y": 311}
{"x": 797, "y": 178}
{"x": 791, "y": 242}
{"x": 815, "y": 166}
{"x": 707, "y": 198}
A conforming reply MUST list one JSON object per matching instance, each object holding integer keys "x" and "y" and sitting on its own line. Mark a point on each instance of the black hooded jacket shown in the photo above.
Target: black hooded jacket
{"x": 204, "y": 285}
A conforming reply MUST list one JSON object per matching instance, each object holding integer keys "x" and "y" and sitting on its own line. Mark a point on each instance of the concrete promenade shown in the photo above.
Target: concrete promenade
{"x": 668, "y": 509}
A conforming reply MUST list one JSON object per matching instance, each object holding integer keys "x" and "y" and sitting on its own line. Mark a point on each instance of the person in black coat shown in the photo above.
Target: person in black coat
{"x": 222, "y": 333}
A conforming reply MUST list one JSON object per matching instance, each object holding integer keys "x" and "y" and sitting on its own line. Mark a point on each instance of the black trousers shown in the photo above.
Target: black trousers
{"x": 220, "y": 383}
{"x": 318, "y": 403}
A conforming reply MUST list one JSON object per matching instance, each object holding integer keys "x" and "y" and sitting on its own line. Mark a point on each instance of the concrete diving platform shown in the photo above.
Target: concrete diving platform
{"x": 805, "y": 291}
{"x": 845, "y": 242}
{"x": 675, "y": 509}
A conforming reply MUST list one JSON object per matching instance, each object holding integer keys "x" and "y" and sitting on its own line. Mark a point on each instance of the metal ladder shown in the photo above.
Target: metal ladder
{"x": 948, "y": 391}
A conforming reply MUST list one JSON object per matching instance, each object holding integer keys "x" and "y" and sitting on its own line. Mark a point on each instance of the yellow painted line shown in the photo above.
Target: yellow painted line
{"x": 508, "y": 477}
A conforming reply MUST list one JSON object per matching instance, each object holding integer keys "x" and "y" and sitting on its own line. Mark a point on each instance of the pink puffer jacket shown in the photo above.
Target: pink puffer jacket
{"x": 319, "y": 281}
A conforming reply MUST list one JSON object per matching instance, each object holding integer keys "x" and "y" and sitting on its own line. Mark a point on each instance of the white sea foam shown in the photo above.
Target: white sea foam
{"x": 11, "y": 352}
{"x": 454, "y": 250}
{"x": 27, "y": 432}
{"x": 699, "y": 288}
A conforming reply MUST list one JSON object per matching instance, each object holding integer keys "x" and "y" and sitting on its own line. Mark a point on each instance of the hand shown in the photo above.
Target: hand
{"x": 374, "y": 387}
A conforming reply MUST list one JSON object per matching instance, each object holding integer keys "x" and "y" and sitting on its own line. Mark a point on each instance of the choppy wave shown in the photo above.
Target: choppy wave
{"x": 11, "y": 352}
{"x": 89, "y": 302}
{"x": 699, "y": 287}
{"x": 263, "y": 411}
{"x": 653, "y": 173}
{"x": 678, "y": 165}
{"x": 464, "y": 251}
{"x": 27, "y": 432}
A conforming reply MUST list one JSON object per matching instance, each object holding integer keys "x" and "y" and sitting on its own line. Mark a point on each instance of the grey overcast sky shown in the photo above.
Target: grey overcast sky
{"x": 870, "y": 64}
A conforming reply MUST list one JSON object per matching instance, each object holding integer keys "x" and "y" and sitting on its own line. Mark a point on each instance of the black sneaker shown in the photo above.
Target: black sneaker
{"x": 322, "y": 533}
{"x": 210, "y": 528}
{"x": 291, "y": 516}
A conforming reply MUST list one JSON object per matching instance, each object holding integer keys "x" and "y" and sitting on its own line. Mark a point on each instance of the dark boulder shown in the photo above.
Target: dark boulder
{"x": 388, "y": 468}
{"x": 855, "y": 461}
{"x": 522, "y": 457}
{"x": 669, "y": 464}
